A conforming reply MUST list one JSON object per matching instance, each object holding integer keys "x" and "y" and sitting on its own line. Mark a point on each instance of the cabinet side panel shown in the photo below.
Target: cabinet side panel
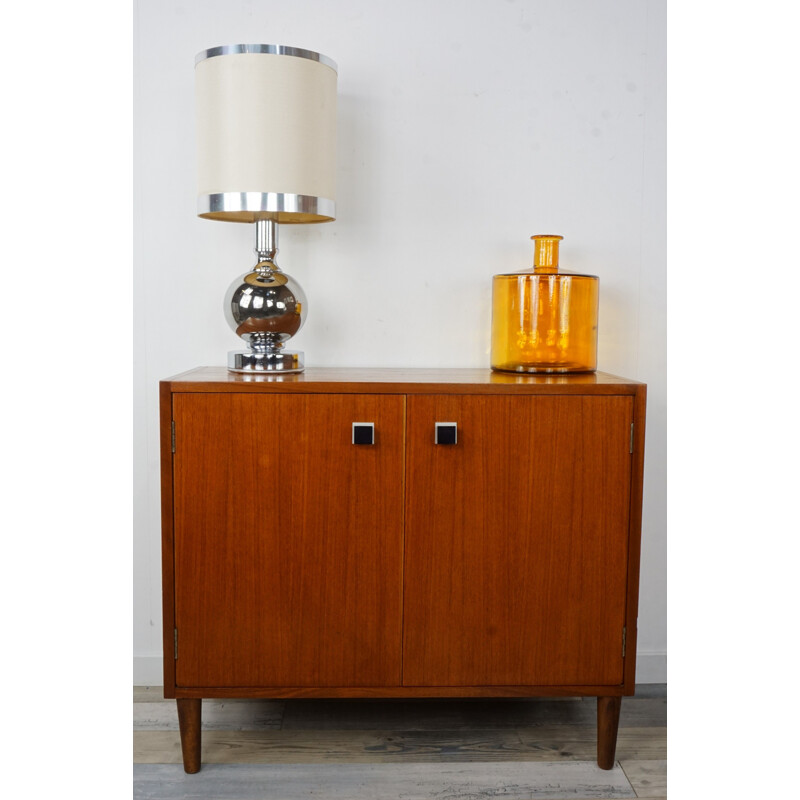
{"x": 167, "y": 552}
{"x": 637, "y": 485}
{"x": 288, "y": 540}
{"x": 516, "y": 541}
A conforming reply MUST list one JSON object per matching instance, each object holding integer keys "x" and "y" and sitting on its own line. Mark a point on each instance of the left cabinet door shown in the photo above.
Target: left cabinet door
{"x": 288, "y": 540}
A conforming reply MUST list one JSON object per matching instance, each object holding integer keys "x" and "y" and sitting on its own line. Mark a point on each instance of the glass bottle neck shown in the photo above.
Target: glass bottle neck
{"x": 545, "y": 254}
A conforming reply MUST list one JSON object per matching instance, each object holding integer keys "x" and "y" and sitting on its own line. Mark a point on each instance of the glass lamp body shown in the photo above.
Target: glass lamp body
{"x": 544, "y": 320}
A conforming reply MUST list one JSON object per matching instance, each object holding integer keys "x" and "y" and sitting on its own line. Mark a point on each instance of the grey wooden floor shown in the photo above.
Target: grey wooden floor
{"x": 393, "y": 749}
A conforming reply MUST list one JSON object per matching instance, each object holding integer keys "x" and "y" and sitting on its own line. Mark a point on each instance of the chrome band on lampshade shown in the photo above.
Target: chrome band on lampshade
{"x": 252, "y": 206}
{"x": 266, "y": 134}
{"x": 274, "y": 49}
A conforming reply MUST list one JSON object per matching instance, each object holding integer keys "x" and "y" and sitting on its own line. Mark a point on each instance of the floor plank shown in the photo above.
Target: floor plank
{"x": 310, "y": 747}
{"x": 357, "y": 741}
{"x": 648, "y": 778}
{"x": 581, "y": 743}
{"x": 148, "y": 694}
{"x": 156, "y": 713}
{"x": 554, "y": 743}
{"x": 511, "y": 780}
{"x": 248, "y": 715}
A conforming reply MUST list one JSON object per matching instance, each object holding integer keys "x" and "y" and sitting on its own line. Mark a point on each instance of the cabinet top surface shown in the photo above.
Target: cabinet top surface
{"x": 396, "y": 381}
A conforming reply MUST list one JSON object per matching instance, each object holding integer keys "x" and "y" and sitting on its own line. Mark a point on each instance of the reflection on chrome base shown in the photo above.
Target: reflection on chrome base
{"x": 250, "y": 361}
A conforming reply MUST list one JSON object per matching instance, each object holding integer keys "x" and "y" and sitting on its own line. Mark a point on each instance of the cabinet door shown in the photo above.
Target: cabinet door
{"x": 517, "y": 541}
{"x": 288, "y": 540}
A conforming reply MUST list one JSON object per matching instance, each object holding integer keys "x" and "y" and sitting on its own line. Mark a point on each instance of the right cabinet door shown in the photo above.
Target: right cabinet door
{"x": 516, "y": 544}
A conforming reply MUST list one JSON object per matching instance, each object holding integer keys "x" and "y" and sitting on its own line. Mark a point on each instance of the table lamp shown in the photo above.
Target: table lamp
{"x": 266, "y": 154}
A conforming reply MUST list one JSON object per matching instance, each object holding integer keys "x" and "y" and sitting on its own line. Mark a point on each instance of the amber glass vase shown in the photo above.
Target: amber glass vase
{"x": 544, "y": 319}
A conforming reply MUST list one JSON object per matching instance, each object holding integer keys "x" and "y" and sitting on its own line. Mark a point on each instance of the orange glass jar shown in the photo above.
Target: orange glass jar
{"x": 544, "y": 320}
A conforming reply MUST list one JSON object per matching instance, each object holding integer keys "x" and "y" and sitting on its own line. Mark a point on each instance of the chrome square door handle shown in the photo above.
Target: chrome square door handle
{"x": 446, "y": 433}
{"x": 363, "y": 433}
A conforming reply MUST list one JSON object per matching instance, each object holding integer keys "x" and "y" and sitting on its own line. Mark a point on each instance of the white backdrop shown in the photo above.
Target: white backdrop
{"x": 465, "y": 126}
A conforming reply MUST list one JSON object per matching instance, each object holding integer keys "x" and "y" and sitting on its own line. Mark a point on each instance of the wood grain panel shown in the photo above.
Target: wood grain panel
{"x": 288, "y": 540}
{"x": 400, "y": 381}
{"x": 517, "y": 541}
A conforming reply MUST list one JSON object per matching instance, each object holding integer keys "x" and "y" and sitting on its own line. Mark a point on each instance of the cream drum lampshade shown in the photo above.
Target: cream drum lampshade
{"x": 266, "y": 134}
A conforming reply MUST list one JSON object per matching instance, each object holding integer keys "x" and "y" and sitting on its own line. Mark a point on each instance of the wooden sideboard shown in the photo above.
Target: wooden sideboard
{"x": 319, "y": 542}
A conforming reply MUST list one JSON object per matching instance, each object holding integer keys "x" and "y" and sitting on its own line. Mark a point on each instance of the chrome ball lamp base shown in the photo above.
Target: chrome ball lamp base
{"x": 265, "y": 307}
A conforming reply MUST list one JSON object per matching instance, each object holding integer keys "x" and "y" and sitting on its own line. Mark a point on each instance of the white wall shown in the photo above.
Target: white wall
{"x": 465, "y": 126}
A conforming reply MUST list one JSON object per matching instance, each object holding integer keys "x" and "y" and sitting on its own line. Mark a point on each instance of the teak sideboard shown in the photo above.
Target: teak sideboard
{"x": 400, "y": 533}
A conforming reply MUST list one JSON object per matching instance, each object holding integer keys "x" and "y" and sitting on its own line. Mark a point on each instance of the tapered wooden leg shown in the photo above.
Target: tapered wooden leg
{"x": 189, "y": 721}
{"x": 607, "y": 726}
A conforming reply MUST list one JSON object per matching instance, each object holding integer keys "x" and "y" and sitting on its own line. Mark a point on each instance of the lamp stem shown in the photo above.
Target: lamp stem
{"x": 266, "y": 240}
